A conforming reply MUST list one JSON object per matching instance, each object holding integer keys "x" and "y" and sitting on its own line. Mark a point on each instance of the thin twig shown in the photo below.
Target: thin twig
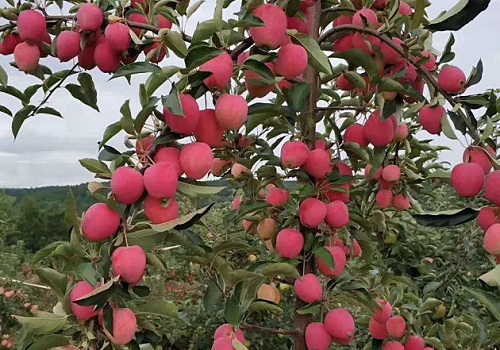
{"x": 423, "y": 71}
{"x": 57, "y": 86}
{"x": 340, "y": 108}
{"x": 251, "y": 327}
{"x": 339, "y": 9}
{"x": 245, "y": 44}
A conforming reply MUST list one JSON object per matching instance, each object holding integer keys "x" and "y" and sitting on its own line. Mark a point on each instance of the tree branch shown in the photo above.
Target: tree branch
{"x": 423, "y": 71}
{"x": 339, "y": 9}
{"x": 251, "y": 327}
{"x": 245, "y": 44}
{"x": 340, "y": 108}
{"x": 57, "y": 86}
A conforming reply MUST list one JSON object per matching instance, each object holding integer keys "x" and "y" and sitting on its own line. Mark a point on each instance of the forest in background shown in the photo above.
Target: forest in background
{"x": 36, "y": 215}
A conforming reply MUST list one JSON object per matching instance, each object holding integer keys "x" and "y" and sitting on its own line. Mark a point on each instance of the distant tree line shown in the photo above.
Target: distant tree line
{"x": 36, "y": 215}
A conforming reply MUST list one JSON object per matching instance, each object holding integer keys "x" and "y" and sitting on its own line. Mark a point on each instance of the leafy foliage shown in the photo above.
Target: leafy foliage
{"x": 421, "y": 251}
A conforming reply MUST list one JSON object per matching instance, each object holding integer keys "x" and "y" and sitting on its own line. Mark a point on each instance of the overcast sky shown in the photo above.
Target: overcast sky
{"x": 47, "y": 149}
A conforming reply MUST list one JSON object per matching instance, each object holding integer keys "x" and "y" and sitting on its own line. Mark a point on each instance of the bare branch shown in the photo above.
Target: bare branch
{"x": 245, "y": 44}
{"x": 57, "y": 86}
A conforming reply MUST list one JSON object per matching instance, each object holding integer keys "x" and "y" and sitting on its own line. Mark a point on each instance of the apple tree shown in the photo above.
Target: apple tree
{"x": 317, "y": 114}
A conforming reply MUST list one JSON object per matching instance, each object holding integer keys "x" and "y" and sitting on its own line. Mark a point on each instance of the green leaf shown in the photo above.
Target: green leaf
{"x": 448, "y": 55}
{"x": 435, "y": 343}
{"x": 46, "y": 324}
{"x": 248, "y": 21}
{"x": 153, "y": 260}
{"x": 488, "y": 130}
{"x": 476, "y": 75}
{"x": 325, "y": 255}
{"x": 431, "y": 286}
{"x": 199, "y": 55}
{"x": 147, "y": 238}
{"x": 183, "y": 222}
{"x": 232, "y": 312}
{"x": 358, "y": 58}
{"x": 241, "y": 274}
{"x": 317, "y": 58}
{"x": 237, "y": 345}
{"x": 10, "y": 90}
{"x": 48, "y": 342}
{"x": 136, "y": 68}
{"x": 88, "y": 89}
{"x": 227, "y": 246}
{"x": 141, "y": 291}
{"x": 49, "y": 110}
{"x": 448, "y": 218}
{"x": 255, "y": 120}
{"x": 259, "y": 68}
{"x": 156, "y": 80}
{"x": 198, "y": 189}
{"x": 356, "y": 79}
{"x": 458, "y": 16}
{"x": 492, "y": 278}
{"x": 204, "y": 30}
{"x": 447, "y": 128}
{"x": 77, "y": 92}
{"x": 71, "y": 213}
{"x": 282, "y": 269}
{"x": 261, "y": 306}
{"x": 388, "y": 84}
{"x": 45, "y": 252}
{"x": 194, "y": 7}
{"x": 296, "y": 96}
{"x": 219, "y": 5}
{"x": 110, "y": 132}
{"x": 175, "y": 42}
{"x": 419, "y": 13}
{"x": 212, "y": 295}
{"x": 57, "y": 281}
{"x": 20, "y": 117}
{"x": 100, "y": 295}
{"x": 489, "y": 300}
{"x": 172, "y": 102}
{"x": 95, "y": 166}
{"x": 459, "y": 123}
{"x": 145, "y": 113}
{"x": 310, "y": 310}
{"x": 30, "y": 91}
{"x": 3, "y": 77}
{"x": 5, "y": 110}
{"x": 162, "y": 308}
{"x": 86, "y": 270}
{"x": 126, "y": 120}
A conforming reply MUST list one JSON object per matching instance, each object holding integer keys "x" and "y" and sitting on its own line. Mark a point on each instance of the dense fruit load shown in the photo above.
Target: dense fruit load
{"x": 246, "y": 106}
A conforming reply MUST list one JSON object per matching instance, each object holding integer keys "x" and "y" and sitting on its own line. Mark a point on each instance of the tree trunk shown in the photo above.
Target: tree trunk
{"x": 307, "y": 125}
